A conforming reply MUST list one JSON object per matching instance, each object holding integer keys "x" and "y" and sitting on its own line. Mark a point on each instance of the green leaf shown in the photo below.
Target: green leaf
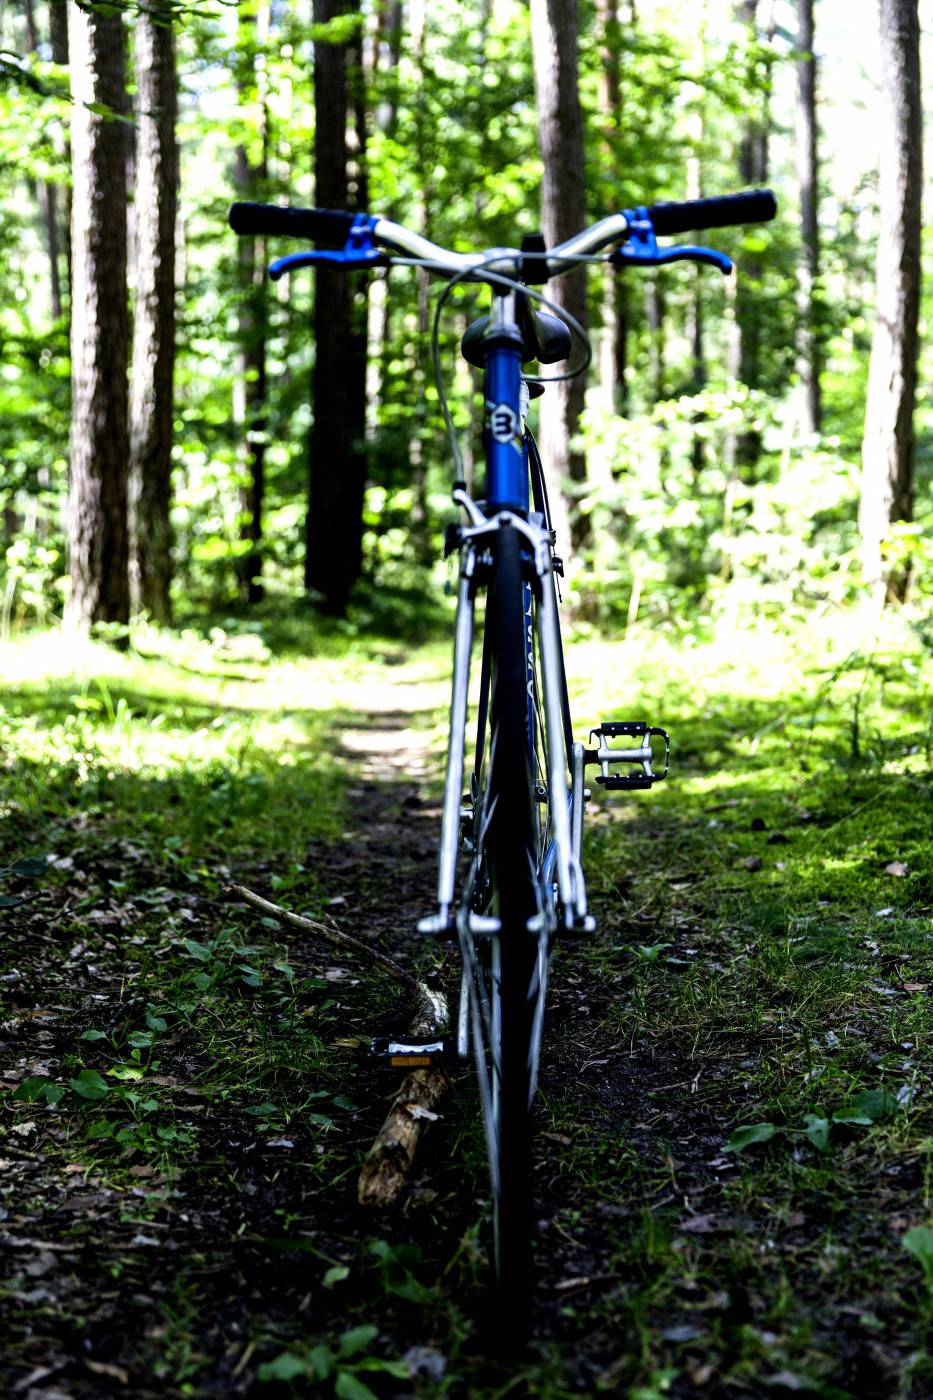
{"x": 156, "y": 1023}
{"x": 650, "y": 952}
{"x": 357, "y": 1339}
{"x": 817, "y": 1130}
{"x": 346, "y": 1103}
{"x": 398, "y": 1369}
{"x": 10, "y": 901}
{"x": 321, "y": 1119}
{"x": 93, "y": 1035}
{"x": 875, "y": 1104}
{"x": 748, "y": 1134}
{"x": 919, "y": 1243}
{"x": 90, "y": 1085}
{"x": 198, "y": 950}
{"x": 321, "y": 1361}
{"x": 285, "y": 1367}
{"x": 29, "y": 866}
{"x": 350, "y": 1387}
{"x": 336, "y": 1274}
{"x": 38, "y": 1089}
{"x": 140, "y": 1040}
{"x": 852, "y": 1117}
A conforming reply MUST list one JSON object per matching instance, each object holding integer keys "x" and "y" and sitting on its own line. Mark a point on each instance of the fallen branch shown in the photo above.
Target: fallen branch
{"x": 334, "y": 935}
{"x": 388, "y": 1162}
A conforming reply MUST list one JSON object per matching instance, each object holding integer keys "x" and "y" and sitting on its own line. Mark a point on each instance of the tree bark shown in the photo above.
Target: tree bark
{"x": 151, "y": 401}
{"x": 613, "y": 352}
{"x": 753, "y": 160}
{"x": 249, "y": 391}
{"x": 808, "y": 267}
{"x": 336, "y": 478}
{"x": 742, "y": 449}
{"x": 58, "y": 27}
{"x": 563, "y": 212}
{"x": 97, "y": 508}
{"x": 888, "y": 444}
{"x": 47, "y": 192}
{"x": 358, "y": 196}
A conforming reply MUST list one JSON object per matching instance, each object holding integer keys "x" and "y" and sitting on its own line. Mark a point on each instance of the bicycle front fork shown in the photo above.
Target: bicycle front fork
{"x": 562, "y": 863}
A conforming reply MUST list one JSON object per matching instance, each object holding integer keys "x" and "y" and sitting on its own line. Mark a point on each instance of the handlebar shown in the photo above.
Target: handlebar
{"x": 356, "y": 235}
{"x": 723, "y": 211}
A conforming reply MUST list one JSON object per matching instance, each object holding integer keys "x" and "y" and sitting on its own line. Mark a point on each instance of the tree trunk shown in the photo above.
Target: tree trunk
{"x": 753, "y": 159}
{"x": 655, "y": 308}
{"x": 249, "y": 390}
{"x": 58, "y": 26}
{"x": 358, "y": 194}
{"x": 47, "y": 192}
{"x": 151, "y": 401}
{"x": 742, "y": 450}
{"x": 888, "y": 444}
{"x": 97, "y": 508}
{"x": 563, "y": 212}
{"x": 697, "y": 375}
{"x": 808, "y": 268}
{"x": 336, "y": 481}
{"x": 613, "y": 353}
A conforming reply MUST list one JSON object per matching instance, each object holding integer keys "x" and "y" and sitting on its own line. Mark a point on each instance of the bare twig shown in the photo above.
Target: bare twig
{"x": 334, "y": 935}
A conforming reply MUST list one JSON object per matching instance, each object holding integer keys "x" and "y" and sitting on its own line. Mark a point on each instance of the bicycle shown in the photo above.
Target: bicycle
{"x": 520, "y": 821}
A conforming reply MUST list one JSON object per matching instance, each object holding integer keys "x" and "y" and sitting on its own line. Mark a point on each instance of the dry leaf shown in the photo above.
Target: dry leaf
{"x": 700, "y": 1224}
{"x": 102, "y": 1368}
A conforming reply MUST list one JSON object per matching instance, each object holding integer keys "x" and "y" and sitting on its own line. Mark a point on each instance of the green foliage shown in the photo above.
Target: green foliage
{"x": 750, "y": 1134}
{"x": 452, "y": 148}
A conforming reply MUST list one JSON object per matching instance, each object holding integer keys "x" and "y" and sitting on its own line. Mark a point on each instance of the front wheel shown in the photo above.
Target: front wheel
{"x": 505, "y": 869}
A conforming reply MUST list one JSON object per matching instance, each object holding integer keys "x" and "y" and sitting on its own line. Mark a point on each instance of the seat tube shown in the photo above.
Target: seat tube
{"x": 506, "y": 460}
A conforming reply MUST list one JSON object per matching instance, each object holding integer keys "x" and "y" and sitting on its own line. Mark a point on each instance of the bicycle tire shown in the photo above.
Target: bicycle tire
{"x": 509, "y": 858}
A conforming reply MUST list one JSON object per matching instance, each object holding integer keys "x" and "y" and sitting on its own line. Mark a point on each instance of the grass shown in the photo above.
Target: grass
{"x": 187, "y": 1101}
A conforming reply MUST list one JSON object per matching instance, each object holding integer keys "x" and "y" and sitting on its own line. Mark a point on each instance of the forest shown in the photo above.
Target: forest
{"x": 226, "y": 612}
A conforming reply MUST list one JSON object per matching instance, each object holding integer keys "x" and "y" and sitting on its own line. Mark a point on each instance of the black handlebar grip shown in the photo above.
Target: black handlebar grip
{"x": 327, "y": 226}
{"x": 752, "y": 207}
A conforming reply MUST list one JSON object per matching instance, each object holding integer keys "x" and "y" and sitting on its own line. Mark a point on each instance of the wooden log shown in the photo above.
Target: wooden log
{"x": 388, "y": 1162}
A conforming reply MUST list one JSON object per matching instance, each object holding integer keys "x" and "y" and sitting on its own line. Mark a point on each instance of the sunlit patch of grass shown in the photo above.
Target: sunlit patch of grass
{"x": 757, "y": 964}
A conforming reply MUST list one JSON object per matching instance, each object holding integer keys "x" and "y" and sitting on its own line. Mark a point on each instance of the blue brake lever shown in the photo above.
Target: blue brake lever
{"x": 641, "y": 247}
{"x": 358, "y": 251}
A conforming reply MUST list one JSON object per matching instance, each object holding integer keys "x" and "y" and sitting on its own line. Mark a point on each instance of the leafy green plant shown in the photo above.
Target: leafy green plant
{"x": 748, "y": 1135}
{"x": 342, "y": 1367}
{"x": 919, "y": 1243}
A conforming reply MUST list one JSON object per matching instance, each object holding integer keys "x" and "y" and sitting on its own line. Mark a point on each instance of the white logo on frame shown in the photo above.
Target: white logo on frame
{"x": 503, "y": 422}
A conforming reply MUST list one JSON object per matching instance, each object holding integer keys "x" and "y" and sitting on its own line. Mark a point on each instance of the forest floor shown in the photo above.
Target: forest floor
{"x": 734, "y": 1153}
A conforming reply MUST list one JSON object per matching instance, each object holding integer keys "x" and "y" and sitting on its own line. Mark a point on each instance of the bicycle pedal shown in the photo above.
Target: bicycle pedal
{"x": 413, "y": 1052}
{"x": 618, "y": 782}
{"x": 639, "y": 759}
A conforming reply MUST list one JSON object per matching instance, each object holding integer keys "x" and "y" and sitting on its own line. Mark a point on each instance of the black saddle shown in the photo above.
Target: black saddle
{"x": 545, "y": 338}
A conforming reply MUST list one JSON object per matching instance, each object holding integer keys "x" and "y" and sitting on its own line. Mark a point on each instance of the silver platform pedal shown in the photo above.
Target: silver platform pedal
{"x": 411, "y": 1052}
{"x": 639, "y": 759}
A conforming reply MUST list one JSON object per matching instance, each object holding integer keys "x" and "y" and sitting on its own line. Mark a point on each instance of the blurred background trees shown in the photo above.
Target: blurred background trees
{"x": 263, "y": 440}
